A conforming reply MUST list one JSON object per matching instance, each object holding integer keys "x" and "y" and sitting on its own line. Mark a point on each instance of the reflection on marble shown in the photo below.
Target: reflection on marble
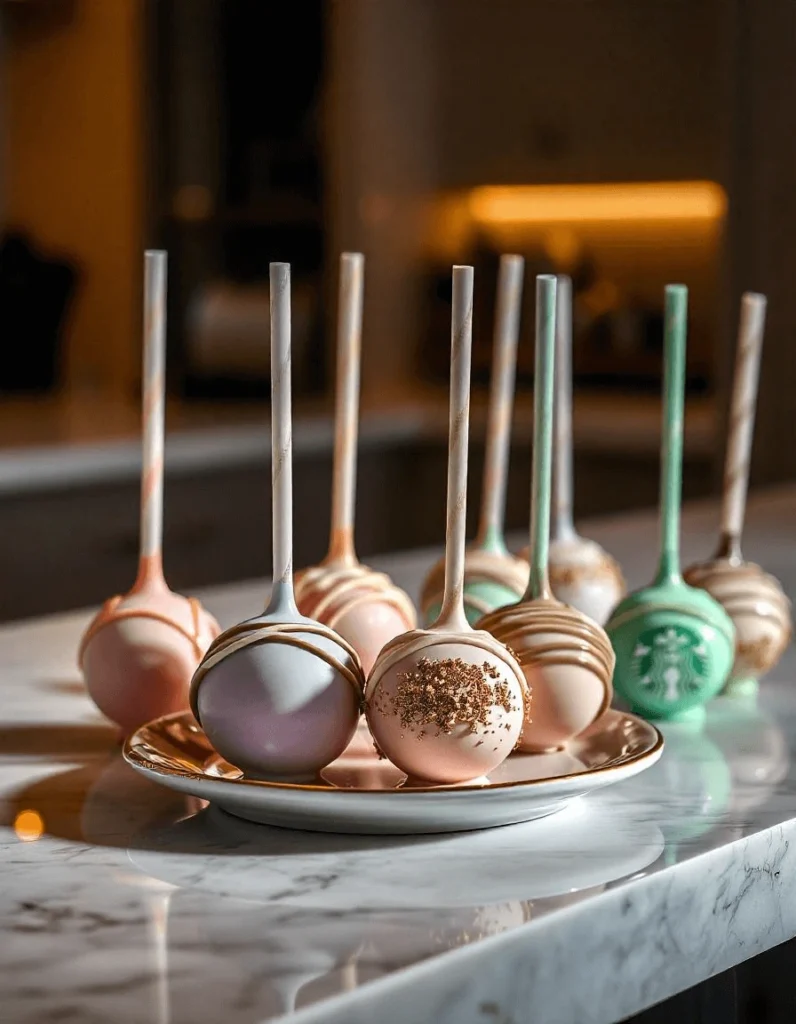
{"x": 124, "y": 901}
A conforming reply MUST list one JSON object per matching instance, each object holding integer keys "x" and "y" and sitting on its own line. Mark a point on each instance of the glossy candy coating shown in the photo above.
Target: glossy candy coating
{"x": 363, "y": 606}
{"x": 140, "y": 651}
{"x": 279, "y": 696}
{"x": 674, "y": 648}
{"x": 423, "y": 750}
{"x": 567, "y": 662}
{"x": 760, "y": 612}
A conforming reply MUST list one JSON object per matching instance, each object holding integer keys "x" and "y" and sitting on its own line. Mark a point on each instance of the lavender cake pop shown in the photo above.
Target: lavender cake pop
{"x": 279, "y": 695}
{"x": 752, "y": 598}
{"x": 140, "y": 651}
{"x": 446, "y": 703}
{"x": 492, "y": 575}
{"x": 363, "y": 606}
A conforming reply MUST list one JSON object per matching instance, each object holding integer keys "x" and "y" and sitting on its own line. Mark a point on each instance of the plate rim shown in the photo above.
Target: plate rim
{"x": 136, "y": 761}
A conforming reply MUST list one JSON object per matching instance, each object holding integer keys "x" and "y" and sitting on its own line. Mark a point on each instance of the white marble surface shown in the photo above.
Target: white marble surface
{"x": 134, "y": 906}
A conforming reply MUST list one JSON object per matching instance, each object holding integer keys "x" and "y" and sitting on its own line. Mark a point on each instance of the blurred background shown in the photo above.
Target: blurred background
{"x": 625, "y": 144}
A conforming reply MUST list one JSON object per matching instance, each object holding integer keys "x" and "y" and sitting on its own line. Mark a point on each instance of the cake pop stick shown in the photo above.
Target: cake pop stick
{"x": 752, "y": 598}
{"x": 153, "y": 415}
{"x": 492, "y": 576}
{"x": 673, "y": 643}
{"x": 565, "y": 656}
{"x": 279, "y": 695}
{"x": 582, "y": 574}
{"x": 140, "y": 651}
{"x": 364, "y": 606}
{"x": 446, "y": 703}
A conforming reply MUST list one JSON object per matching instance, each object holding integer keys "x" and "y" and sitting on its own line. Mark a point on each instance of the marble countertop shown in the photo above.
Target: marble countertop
{"x": 122, "y": 901}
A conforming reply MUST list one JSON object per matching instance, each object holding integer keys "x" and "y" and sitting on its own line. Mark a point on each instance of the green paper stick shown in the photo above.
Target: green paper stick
{"x": 541, "y": 471}
{"x": 676, "y": 316}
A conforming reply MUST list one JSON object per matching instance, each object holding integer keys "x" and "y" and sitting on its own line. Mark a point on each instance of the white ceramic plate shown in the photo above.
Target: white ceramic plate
{"x": 358, "y": 793}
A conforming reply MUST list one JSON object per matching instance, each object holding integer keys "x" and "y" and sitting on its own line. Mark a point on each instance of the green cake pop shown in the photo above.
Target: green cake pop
{"x": 674, "y": 644}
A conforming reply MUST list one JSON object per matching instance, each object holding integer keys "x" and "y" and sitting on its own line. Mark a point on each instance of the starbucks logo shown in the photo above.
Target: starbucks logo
{"x": 670, "y": 663}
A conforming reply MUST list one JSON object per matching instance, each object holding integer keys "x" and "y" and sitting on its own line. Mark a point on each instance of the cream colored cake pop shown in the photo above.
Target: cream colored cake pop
{"x": 492, "y": 575}
{"x": 279, "y": 695}
{"x": 582, "y": 574}
{"x": 139, "y": 653}
{"x": 566, "y": 657}
{"x": 363, "y": 606}
{"x": 752, "y": 598}
{"x": 446, "y": 703}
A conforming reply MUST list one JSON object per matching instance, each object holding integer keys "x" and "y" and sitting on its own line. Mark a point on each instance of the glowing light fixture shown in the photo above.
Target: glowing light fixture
{"x": 609, "y": 203}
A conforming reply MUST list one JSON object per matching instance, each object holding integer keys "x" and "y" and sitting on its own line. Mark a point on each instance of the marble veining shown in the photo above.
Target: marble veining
{"x": 124, "y": 901}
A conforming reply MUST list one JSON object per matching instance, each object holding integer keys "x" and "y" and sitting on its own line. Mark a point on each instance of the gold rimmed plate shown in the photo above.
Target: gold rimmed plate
{"x": 359, "y": 793}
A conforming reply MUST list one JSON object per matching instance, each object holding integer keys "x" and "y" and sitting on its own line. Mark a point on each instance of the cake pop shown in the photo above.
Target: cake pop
{"x": 363, "y": 606}
{"x": 673, "y": 643}
{"x": 492, "y": 575}
{"x": 446, "y": 703}
{"x": 752, "y": 598}
{"x": 140, "y": 651}
{"x": 565, "y": 655}
{"x": 582, "y": 574}
{"x": 279, "y": 695}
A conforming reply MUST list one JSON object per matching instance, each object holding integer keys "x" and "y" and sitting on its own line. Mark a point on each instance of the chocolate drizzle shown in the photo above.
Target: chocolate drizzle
{"x": 327, "y": 592}
{"x": 550, "y": 633}
{"x": 111, "y": 613}
{"x": 256, "y": 632}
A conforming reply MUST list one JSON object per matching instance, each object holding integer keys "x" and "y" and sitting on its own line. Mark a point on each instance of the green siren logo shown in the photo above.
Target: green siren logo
{"x": 670, "y": 663}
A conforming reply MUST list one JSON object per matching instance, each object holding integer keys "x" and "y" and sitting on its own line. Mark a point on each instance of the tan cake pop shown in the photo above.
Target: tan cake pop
{"x": 752, "y": 598}
{"x": 492, "y": 575}
{"x": 582, "y": 574}
{"x": 566, "y": 657}
{"x": 139, "y": 653}
{"x": 363, "y": 606}
{"x": 446, "y": 703}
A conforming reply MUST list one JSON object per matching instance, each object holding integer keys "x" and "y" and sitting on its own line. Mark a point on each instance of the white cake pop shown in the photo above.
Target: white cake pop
{"x": 279, "y": 695}
{"x": 582, "y": 574}
{"x": 492, "y": 575}
{"x": 753, "y": 598}
{"x": 363, "y": 606}
{"x": 140, "y": 651}
{"x": 566, "y": 656}
{"x": 446, "y": 703}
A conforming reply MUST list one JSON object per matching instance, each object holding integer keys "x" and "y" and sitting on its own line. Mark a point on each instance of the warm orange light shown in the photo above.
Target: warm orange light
{"x": 29, "y": 826}
{"x": 633, "y": 201}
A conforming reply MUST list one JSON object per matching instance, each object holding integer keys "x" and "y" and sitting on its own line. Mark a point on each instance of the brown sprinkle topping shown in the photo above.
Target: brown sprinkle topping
{"x": 443, "y": 693}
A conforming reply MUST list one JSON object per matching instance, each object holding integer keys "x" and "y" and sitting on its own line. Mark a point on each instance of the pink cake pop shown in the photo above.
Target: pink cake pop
{"x": 140, "y": 651}
{"x": 567, "y": 658}
{"x": 363, "y": 606}
{"x": 446, "y": 703}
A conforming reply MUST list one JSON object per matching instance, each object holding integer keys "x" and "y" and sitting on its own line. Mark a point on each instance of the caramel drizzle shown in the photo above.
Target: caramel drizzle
{"x": 412, "y": 643}
{"x": 631, "y": 613}
{"x": 246, "y": 634}
{"x": 751, "y": 590}
{"x": 479, "y": 567}
{"x": 578, "y": 641}
{"x": 329, "y": 592}
{"x": 110, "y": 612}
